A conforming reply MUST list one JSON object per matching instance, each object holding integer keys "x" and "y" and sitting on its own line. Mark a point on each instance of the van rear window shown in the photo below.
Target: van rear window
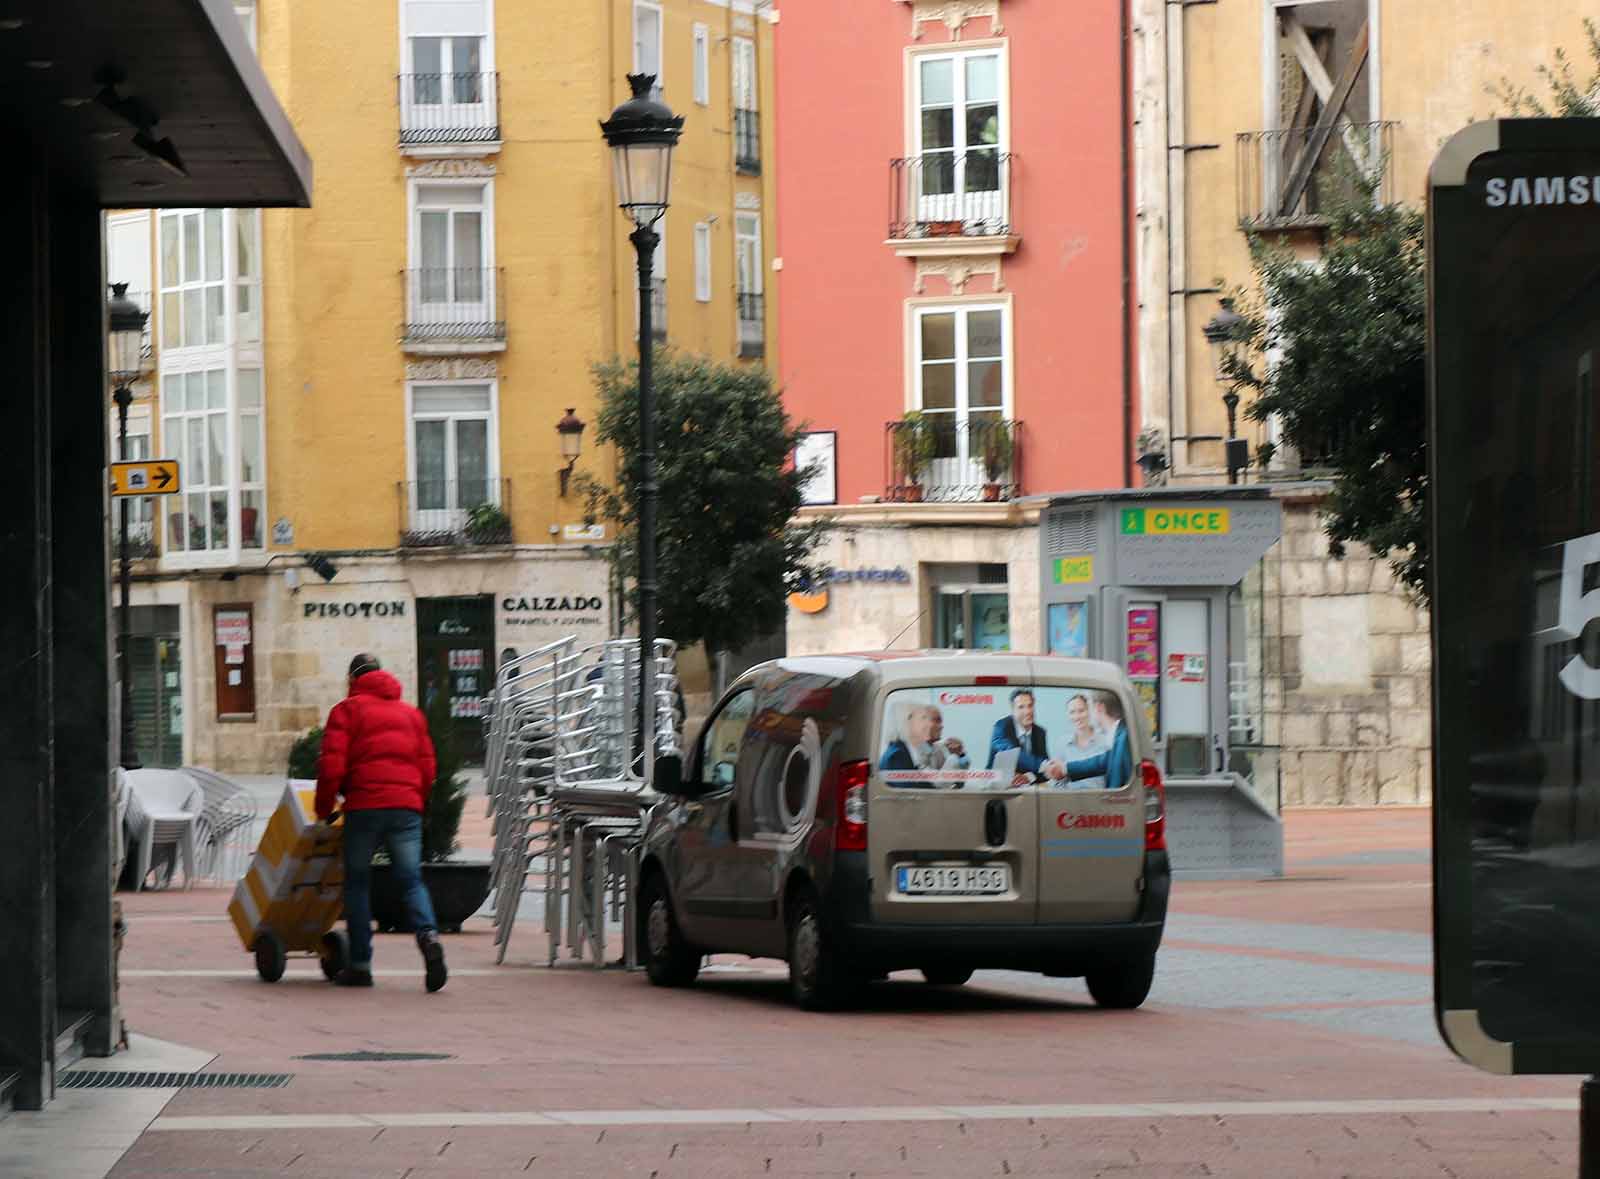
{"x": 966, "y": 737}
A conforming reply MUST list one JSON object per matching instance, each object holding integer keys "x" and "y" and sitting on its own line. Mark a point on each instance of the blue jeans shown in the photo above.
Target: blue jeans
{"x": 401, "y": 832}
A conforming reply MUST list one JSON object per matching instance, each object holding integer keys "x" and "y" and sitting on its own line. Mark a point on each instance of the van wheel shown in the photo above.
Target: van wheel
{"x": 947, "y": 976}
{"x": 1124, "y": 986}
{"x": 669, "y": 960}
{"x": 817, "y": 981}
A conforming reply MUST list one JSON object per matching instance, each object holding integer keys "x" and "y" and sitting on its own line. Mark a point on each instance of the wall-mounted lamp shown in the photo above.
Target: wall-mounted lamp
{"x": 571, "y": 430}
{"x": 1226, "y": 332}
{"x": 322, "y": 567}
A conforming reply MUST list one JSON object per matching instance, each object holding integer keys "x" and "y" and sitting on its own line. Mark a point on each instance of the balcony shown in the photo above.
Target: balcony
{"x": 943, "y": 459}
{"x": 443, "y": 112}
{"x": 436, "y": 513}
{"x": 945, "y": 204}
{"x": 1288, "y": 177}
{"x": 747, "y": 142}
{"x": 752, "y": 324}
{"x": 454, "y": 311}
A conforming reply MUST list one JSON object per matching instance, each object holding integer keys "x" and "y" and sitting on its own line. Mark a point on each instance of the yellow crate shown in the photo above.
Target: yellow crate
{"x": 295, "y": 886}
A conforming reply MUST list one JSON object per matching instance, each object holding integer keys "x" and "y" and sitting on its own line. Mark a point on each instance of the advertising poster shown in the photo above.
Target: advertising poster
{"x": 989, "y": 738}
{"x": 1144, "y": 641}
{"x": 1069, "y": 629}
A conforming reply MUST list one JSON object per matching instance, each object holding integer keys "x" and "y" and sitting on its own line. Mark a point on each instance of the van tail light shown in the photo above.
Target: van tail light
{"x": 1155, "y": 808}
{"x": 850, "y": 832}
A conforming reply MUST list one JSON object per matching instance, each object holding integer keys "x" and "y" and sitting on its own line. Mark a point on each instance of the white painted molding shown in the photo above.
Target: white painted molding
{"x": 958, "y": 272}
{"x": 954, "y": 14}
{"x": 453, "y": 169}
{"x": 454, "y": 369}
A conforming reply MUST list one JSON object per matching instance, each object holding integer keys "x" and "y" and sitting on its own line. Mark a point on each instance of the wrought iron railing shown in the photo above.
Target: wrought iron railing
{"x": 462, "y": 304}
{"x": 449, "y": 108}
{"x": 1288, "y": 178}
{"x": 941, "y": 194}
{"x": 747, "y": 141}
{"x": 752, "y": 324}
{"x": 145, "y": 301}
{"x": 940, "y": 458}
{"x": 435, "y": 512}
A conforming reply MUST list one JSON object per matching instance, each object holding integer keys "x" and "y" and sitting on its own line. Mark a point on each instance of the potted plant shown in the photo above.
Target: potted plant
{"x": 488, "y": 524}
{"x": 997, "y": 449}
{"x": 914, "y": 446}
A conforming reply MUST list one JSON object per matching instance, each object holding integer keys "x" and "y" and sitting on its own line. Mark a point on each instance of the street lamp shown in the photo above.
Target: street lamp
{"x": 571, "y": 430}
{"x": 1225, "y": 332}
{"x": 126, "y": 322}
{"x": 641, "y": 134}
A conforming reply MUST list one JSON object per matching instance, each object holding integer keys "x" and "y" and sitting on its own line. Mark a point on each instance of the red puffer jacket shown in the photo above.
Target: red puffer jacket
{"x": 375, "y": 751}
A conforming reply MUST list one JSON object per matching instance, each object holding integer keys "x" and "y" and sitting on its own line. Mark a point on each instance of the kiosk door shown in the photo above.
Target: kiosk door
{"x": 1168, "y": 644}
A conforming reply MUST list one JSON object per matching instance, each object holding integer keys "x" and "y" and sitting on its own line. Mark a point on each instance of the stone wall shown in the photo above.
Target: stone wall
{"x": 1348, "y": 663}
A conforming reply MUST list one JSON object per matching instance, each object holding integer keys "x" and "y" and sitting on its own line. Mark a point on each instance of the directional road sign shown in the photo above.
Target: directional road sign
{"x": 150, "y": 477}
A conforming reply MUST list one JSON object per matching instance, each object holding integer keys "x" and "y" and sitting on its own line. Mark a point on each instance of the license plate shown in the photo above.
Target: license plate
{"x": 953, "y": 880}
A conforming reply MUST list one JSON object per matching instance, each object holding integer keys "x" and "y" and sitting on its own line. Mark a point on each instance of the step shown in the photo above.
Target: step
{"x": 69, "y": 1039}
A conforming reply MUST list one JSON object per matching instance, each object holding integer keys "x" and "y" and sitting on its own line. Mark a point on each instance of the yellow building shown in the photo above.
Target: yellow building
{"x": 364, "y": 397}
{"x": 1243, "y": 112}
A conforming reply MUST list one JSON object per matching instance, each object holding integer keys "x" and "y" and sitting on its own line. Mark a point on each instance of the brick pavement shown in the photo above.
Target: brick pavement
{"x": 1287, "y": 990}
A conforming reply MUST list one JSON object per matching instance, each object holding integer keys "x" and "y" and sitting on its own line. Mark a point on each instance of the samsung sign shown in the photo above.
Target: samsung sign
{"x": 1505, "y": 192}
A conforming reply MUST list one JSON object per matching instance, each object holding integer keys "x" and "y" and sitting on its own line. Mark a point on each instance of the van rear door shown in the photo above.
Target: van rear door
{"x": 1091, "y": 832}
{"x": 951, "y": 838}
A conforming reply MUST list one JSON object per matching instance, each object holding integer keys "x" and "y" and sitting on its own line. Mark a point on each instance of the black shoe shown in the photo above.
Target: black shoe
{"x": 351, "y": 977}
{"x": 433, "y": 957}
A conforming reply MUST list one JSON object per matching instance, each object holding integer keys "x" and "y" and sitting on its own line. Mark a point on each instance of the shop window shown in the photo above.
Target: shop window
{"x": 233, "y": 640}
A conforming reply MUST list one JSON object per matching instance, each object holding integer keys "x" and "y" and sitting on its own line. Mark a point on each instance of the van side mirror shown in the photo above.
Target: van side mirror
{"x": 668, "y": 777}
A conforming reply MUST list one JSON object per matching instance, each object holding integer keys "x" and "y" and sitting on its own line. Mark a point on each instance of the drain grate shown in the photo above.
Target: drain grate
{"x": 369, "y": 1057}
{"x": 79, "y": 1078}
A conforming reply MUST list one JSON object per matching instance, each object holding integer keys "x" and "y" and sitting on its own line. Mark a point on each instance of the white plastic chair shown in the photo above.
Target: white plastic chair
{"x": 119, "y": 801}
{"x": 164, "y": 808}
{"x": 227, "y": 822}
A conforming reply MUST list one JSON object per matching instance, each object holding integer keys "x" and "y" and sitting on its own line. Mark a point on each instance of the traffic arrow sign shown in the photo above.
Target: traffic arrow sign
{"x": 150, "y": 477}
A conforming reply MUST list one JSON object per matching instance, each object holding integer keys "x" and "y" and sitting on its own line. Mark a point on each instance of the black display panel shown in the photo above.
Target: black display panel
{"x": 1514, "y": 289}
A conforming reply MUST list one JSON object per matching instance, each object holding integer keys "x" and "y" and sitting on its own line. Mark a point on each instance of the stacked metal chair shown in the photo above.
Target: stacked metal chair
{"x": 568, "y": 786}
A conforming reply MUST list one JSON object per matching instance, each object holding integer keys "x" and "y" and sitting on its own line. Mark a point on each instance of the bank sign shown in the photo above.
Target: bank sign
{"x": 1514, "y": 327}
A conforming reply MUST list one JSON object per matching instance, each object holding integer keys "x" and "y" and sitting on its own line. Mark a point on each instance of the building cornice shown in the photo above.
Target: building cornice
{"x": 1011, "y": 514}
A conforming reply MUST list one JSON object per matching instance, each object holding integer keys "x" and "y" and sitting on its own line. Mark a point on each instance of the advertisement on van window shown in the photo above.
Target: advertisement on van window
{"x": 988, "y": 738}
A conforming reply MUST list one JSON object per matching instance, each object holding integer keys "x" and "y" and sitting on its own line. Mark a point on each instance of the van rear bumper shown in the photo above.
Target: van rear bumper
{"x": 1055, "y": 949}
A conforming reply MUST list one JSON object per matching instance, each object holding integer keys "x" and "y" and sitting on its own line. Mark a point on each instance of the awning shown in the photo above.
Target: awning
{"x": 116, "y": 97}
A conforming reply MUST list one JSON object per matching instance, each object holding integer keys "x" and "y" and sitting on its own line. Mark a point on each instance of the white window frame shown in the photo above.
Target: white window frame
{"x": 485, "y": 208}
{"x": 452, "y": 477}
{"x": 178, "y": 448}
{"x": 194, "y": 220}
{"x": 919, "y": 309}
{"x": 702, "y": 64}
{"x": 747, "y": 241}
{"x": 486, "y": 59}
{"x": 702, "y": 261}
{"x": 746, "y": 86}
{"x": 958, "y": 55}
{"x": 659, "y": 67}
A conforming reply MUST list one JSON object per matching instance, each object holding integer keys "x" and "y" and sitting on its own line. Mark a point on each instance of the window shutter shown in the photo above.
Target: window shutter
{"x": 702, "y": 262}
{"x": 446, "y": 18}
{"x": 702, "y": 65}
{"x": 744, "y": 74}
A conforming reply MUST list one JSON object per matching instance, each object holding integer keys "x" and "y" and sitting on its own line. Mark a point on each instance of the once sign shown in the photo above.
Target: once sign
{"x": 1514, "y": 261}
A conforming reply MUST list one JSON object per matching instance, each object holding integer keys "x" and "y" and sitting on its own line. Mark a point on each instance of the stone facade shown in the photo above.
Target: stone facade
{"x": 1348, "y": 667}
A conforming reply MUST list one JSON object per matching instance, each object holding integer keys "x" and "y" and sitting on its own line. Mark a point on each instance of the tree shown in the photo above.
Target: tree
{"x": 1568, "y": 99}
{"x": 729, "y": 550}
{"x": 1338, "y": 354}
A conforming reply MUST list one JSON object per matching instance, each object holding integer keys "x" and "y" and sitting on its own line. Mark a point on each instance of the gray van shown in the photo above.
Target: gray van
{"x": 939, "y": 811}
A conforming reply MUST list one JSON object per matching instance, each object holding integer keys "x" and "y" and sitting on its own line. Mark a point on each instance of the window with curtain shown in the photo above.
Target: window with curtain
{"x": 451, "y": 243}
{"x": 193, "y": 290}
{"x": 453, "y": 460}
{"x": 959, "y": 134}
{"x": 961, "y": 374}
{"x": 195, "y": 430}
{"x": 252, "y": 474}
{"x": 647, "y": 42}
{"x": 448, "y": 46}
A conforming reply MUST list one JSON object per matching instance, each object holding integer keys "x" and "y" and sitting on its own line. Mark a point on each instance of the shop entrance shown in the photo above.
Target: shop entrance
{"x": 972, "y": 607}
{"x": 155, "y": 667}
{"x": 455, "y": 655}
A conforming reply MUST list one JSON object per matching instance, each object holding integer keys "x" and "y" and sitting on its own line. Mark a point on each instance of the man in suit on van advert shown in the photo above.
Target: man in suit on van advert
{"x": 1018, "y": 732}
{"x": 1115, "y": 765}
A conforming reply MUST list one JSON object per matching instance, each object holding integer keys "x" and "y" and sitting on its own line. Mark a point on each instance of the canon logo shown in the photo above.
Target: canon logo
{"x": 965, "y": 698}
{"x": 1071, "y": 822}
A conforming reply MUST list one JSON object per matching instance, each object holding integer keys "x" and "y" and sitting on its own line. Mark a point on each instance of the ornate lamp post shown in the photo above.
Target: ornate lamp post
{"x": 127, "y": 333}
{"x": 641, "y": 134}
{"x": 570, "y": 428}
{"x": 1225, "y": 333}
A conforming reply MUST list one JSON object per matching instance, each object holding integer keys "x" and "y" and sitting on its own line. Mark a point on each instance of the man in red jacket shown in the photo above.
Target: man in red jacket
{"x": 376, "y": 753}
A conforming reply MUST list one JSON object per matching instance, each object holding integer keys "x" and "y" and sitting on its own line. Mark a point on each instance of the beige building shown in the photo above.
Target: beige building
{"x": 364, "y": 397}
{"x": 1242, "y": 112}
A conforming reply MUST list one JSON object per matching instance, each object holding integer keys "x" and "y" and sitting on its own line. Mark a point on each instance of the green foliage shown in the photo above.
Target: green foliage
{"x": 488, "y": 524}
{"x": 303, "y": 754}
{"x": 1347, "y": 375}
{"x": 1569, "y": 98}
{"x": 442, "y": 820}
{"x": 915, "y": 445}
{"x": 729, "y": 550}
{"x": 998, "y": 446}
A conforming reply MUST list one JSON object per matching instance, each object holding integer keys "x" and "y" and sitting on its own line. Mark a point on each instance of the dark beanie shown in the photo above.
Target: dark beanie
{"x": 362, "y": 664}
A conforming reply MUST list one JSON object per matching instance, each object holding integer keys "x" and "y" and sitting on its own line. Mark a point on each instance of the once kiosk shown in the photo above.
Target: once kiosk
{"x": 1153, "y": 580}
{"x": 1514, "y": 326}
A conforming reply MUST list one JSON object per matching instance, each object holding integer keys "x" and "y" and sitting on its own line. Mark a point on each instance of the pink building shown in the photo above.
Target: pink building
{"x": 954, "y": 234}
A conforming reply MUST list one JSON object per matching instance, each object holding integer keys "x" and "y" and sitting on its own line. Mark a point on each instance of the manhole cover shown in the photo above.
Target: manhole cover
{"x": 372, "y": 1057}
{"x": 78, "y": 1078}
